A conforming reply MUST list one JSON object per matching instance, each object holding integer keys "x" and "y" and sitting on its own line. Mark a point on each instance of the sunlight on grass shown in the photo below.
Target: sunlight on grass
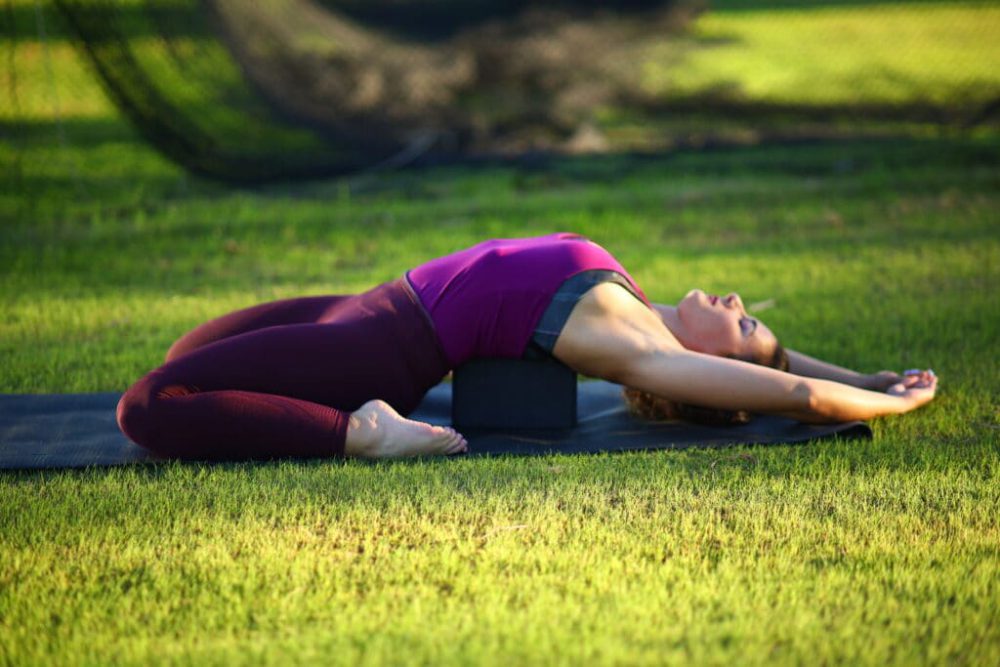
{"x": 873, "y": 54}
{"x": 50, "y": 81}
{"x": 451, "y": 561}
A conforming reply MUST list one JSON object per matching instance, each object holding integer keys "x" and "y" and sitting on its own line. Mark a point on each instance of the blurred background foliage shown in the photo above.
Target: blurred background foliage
{"x": 281, "y": 89}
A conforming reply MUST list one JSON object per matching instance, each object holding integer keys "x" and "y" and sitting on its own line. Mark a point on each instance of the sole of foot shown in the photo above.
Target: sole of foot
{"x": 377, "y": 431}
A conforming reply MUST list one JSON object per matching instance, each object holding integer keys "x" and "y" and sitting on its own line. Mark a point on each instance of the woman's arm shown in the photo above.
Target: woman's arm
{"x": 611, "y": 335}
{"x": 803, "y": 364}
{"x": 806, "y": 366}
{"x": 700, "y": 379}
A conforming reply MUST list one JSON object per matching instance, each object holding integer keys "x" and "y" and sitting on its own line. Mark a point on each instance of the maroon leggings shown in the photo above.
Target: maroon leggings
{"x": 280, "y": 379}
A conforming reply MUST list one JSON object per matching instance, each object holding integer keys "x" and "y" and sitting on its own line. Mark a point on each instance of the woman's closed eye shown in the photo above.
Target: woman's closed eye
{"x": 748, "y": 326}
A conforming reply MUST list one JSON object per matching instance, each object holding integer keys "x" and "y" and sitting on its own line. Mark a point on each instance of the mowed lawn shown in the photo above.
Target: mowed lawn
{"x": 818, "y": 53}
{"x": 876, "y": 255}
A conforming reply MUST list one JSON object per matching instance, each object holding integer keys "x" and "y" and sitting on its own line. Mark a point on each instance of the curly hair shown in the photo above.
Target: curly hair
{"x": 650, "y": 406}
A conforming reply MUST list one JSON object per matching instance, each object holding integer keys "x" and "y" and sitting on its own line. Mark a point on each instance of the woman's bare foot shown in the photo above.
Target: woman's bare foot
{"x": 375, "y": 430}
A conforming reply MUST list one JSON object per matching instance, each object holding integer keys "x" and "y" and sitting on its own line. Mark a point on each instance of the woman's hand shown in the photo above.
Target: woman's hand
{"x": 916, "y": 387}
{"x": 883, "y": 380}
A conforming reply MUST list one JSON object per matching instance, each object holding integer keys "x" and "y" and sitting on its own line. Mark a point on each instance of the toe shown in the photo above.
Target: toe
{"x": 460, "y": 444}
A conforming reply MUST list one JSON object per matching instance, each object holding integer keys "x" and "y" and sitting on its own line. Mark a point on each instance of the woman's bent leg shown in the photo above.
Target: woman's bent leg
{"x": 286, "y": 390}
{"x": 301, "y": 310}
{"x": 177, "y": 421}
{"x": 266, "y": 393}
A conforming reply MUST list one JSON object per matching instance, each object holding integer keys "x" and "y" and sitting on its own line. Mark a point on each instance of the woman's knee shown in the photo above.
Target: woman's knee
{"x": 137, "y": 411}
{"x": 180, "y": 347}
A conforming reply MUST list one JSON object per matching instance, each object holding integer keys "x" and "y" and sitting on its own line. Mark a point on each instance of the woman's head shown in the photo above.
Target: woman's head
{"x": 719, "y": 326}
{"x": 722, "y": 327}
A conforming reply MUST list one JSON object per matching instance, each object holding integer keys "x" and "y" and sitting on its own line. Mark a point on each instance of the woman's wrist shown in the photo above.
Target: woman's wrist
{"x": 868, "y": 381}
{"x": 837, "y": 401}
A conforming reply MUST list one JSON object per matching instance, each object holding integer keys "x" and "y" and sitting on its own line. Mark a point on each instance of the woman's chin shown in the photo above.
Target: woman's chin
{"x": 690, "y": 301}
{"x": 693, "y": 294}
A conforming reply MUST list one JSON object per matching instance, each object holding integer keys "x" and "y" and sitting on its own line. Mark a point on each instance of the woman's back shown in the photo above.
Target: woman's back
{"x": 485, "y": 300}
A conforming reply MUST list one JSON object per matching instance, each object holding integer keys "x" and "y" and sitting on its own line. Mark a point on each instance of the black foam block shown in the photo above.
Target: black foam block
{"x": 513, "y": 394}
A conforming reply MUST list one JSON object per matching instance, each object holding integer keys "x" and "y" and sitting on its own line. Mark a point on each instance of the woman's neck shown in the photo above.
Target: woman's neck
{"x": 668, "y": 314}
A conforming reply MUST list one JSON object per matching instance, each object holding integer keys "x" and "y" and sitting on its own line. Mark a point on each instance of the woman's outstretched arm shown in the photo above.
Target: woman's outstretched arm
{"x": 807, "y": 366}
{"x": 612, "y": 336}
{"x": 700, "y": 379}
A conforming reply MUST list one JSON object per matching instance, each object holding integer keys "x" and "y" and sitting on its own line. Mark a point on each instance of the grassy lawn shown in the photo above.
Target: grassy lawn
{"x": 832, "y": 53}
{"x": 877, "y": 255}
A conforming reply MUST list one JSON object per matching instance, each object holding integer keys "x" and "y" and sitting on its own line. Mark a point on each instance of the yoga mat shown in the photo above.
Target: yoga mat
{"x": 79, "y": 430}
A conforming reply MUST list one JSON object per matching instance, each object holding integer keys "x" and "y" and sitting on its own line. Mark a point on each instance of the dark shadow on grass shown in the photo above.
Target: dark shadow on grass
{"x": 726, "y": 104}
{"x": 777, "y": 156}
{"x": 541, "y": 171}
{"x": 81, "y": 133}
{"x": 853, "y": 172}
{"x": 768, "y": 153}
{"x": 139, "y": 20}
{"x": 429, "y": 180}
{"x": 435, "y": 20}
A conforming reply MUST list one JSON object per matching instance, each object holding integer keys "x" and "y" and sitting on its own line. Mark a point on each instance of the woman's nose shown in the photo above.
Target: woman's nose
{"x": 733, "y": 299}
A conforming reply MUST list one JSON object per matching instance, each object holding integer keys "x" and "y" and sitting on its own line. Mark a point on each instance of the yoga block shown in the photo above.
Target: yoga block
{"x": 513, "y": 394}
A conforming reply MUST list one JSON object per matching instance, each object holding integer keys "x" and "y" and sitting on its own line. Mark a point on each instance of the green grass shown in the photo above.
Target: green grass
{"x": 933, "y": 53}
{"x": 878, "y": 255}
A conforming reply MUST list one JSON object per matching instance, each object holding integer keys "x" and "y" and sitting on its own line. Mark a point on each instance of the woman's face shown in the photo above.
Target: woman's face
{"x": 721, "y": 326}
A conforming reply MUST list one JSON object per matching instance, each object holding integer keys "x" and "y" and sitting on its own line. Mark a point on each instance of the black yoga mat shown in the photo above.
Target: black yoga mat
{"x": 78, "y": 430}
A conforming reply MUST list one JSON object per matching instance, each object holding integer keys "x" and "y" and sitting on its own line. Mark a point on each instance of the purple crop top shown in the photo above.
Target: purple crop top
{"x": 485, "y": 301}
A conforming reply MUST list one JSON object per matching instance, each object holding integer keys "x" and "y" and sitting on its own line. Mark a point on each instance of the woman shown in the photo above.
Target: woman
{"x": 332, "y": 375}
